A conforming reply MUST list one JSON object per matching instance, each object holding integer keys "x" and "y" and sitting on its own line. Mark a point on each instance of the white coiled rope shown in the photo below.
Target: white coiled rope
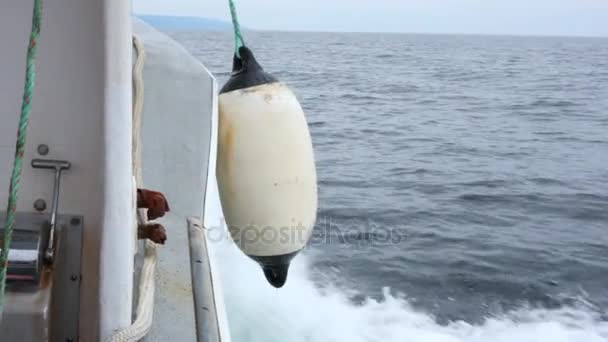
{"x": 145, "y": 303}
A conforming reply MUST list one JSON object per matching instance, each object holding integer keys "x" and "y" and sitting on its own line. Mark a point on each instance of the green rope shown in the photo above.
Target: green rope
{"x": 238, "y": 36}
{"x": 26, "y": 106}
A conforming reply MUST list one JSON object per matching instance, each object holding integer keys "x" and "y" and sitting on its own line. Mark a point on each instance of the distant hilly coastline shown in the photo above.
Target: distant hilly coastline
{"x": 184, "y": 23}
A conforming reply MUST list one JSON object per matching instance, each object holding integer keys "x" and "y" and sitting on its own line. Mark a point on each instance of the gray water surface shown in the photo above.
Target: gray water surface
{"x": 468, "y": 174}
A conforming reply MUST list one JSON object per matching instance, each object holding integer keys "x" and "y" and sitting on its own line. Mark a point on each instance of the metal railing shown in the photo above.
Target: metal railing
{"x": 208, "y": 326}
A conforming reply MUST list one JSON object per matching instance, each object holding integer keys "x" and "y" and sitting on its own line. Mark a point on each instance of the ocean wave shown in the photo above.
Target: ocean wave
{"x": 305, "y": 312}
{"x": 498, "y": 198}
{"x": 547, "y": 181}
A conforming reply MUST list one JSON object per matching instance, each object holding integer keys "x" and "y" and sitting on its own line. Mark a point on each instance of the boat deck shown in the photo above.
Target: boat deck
{"x": 176, "y": 138}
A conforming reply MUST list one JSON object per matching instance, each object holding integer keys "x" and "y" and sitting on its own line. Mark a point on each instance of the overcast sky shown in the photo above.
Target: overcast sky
{"x": 531, "y": 17}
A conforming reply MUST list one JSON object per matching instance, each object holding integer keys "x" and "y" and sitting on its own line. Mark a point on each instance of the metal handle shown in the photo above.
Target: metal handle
{"x": 58, "y": 166}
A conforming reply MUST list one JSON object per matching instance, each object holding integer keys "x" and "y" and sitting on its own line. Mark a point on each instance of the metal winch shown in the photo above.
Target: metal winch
{"x": 43, "y": 275}
{"x": 26, "y": 257}
{"x": 34, "y": 238}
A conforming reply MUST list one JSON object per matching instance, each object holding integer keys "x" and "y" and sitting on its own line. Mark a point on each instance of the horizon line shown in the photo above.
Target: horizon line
{"x": 296, "y": 30}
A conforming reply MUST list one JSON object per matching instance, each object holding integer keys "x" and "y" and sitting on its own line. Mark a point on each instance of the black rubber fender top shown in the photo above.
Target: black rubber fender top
{"x": 246, "y": 72}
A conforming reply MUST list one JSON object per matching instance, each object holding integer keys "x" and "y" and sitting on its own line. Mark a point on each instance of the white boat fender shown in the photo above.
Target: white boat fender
{"x": 266, "y": 171}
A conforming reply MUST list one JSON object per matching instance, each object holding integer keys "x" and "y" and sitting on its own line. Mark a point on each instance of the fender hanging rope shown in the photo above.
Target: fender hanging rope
{"x": 26, "y": 106}
{"x": 238, "y": 36}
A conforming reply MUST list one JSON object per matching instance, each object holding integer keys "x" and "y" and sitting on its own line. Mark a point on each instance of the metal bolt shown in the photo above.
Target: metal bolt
{"x": 43, "y": 149}
{"x": 40, "y": 204}
{"x": 73, "y": 277}
{"x": 75, "y": 221}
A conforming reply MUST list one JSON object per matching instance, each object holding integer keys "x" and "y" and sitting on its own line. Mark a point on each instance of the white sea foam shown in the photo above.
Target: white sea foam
{"x": 301, "y": 312}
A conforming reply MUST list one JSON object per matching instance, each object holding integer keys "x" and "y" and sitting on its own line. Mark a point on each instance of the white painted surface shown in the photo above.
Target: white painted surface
{"x": 213, "y": 221}
{"x": 266, "y": 170}
{"x": 117, "y": 248}
{"x": 81, "y": 102}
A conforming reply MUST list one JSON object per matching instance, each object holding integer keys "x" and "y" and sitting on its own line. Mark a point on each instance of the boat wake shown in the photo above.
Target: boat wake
{"x": 302, "y": 312}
